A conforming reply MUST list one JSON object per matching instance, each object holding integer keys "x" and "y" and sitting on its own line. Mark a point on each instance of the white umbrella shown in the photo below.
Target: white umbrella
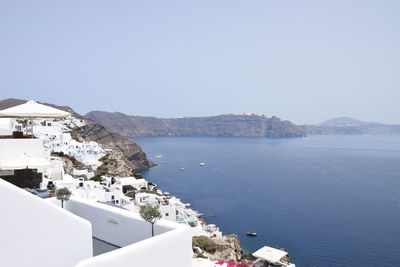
{"x": 33, "y": 110}
{"x": 23, "y": 161}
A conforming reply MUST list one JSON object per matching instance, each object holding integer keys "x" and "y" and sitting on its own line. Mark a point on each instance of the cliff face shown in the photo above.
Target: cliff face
{"x": 223, "y": 125}
{"x": 131, "y": 153}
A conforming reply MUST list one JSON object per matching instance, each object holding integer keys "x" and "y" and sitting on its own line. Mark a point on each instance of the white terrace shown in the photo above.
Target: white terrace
{"x": 37, "y": 232}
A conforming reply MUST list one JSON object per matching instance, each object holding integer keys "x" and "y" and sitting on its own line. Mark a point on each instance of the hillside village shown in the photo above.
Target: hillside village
{"x": 56, "y": 156}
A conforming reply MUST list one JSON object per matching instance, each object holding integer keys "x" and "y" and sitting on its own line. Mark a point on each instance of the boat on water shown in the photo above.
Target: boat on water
{"x": 251, "y": 233}
{"x": 202, "y": 163}
{"x": 158, "y": 156}
{"x": 182, "y": 169}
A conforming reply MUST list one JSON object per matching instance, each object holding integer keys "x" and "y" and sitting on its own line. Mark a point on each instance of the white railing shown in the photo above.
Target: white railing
{"x": 171, "y": 247}
{"x": 48, "y": 236}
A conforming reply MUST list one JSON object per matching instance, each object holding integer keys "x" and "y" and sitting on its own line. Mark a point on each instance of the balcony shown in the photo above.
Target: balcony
{"x": 122, "y": 236}
{"x": 85, "y": 234}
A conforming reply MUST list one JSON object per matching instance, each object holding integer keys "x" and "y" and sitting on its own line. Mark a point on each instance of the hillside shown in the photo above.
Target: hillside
{"x": 344, "y": 125}
{"x": 342, "y": 121}
{"x": 133, "y": 155}
{"x": 222, "y": 125}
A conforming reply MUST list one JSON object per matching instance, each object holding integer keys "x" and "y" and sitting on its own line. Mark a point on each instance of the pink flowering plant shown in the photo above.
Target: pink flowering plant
{"x": 235, "y": 264}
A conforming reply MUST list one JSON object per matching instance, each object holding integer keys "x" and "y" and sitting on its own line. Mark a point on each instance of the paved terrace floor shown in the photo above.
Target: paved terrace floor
{"x": 100, "y": 247}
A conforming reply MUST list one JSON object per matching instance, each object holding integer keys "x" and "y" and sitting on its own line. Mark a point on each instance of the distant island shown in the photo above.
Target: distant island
{"x": 348, "y": 126}
{"x": 251, "y": 124}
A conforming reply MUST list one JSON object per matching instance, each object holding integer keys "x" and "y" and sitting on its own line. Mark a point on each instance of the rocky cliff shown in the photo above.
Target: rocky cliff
{"x": 133, "y": 154}
{"x": 218, "y": 248}
{"x": 222, "y": 125}
{"x": 123, "y": 149}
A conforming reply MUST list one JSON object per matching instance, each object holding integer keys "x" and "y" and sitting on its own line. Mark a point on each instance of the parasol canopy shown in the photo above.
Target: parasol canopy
{"x": 16, "y": 154}
{"x": 24, "y": 161}
{"x": 33, "y": 110}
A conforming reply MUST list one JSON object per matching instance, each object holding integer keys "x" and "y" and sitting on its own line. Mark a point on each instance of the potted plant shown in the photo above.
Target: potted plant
{"x": 53, "y": 192}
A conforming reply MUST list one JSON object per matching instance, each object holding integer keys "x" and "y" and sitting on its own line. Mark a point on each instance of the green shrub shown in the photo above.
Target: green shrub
{"x": 74, "y": 161}
{"x": 96, "y": 178}
{"x": 101, "y": 170}
{"x": 59, "y": 154}
{"x": 201, "y": 255}
{"x": 205, "y": 243}
{"x": 104, "y": 158}
{"x": 75, "y": 136}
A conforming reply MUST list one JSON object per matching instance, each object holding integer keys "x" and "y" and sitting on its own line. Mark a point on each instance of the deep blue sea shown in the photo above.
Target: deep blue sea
{"x": 328, "y": 200}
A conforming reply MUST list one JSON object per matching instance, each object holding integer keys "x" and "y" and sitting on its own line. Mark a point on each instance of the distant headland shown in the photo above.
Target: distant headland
{"x": 245, "y": 124}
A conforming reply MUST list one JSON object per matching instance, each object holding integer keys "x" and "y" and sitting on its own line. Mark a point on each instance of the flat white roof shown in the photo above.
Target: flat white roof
{"x": 131, "y": 181}
{"x": 269, "y": 254}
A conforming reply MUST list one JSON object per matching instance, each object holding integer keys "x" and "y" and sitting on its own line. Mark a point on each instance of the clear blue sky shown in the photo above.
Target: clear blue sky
{"x": 305, "y": 61}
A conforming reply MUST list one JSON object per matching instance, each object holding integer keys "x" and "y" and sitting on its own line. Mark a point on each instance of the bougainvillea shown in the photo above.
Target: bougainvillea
{"x": 234, "y": 264}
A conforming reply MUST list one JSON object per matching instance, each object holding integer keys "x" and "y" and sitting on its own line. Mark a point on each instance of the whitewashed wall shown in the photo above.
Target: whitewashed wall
{"x": 114, "y": 225}
{"x": 171, "y": 247}
{"x": 34, "y": 232}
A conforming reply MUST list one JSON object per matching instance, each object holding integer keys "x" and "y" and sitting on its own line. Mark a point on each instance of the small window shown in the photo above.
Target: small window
{"x": 167, "y": 214}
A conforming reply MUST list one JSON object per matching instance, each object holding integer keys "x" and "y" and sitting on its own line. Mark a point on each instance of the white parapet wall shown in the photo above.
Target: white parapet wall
{"x": 36, "y": 233}
{"x": 171, "y": 247}
{"x": 115, "y": 225}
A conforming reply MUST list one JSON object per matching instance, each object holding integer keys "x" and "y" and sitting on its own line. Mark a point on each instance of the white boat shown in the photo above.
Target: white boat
{"x": 182, "y": 169}
{"x": 251, "y": 233}
{"x": 158, "y": 156}
{"x": 202, "y": 163}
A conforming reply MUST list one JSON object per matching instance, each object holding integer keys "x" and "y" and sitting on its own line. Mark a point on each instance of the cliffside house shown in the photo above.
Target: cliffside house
{"x": 21, "y": 156}
{"x": 272, "y": 257}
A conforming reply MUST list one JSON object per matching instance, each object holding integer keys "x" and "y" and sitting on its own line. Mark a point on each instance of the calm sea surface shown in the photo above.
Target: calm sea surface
{"x": 328, "y": 200}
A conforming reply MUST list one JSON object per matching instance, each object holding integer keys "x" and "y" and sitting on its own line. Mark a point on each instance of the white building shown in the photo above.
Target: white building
{"x": 38, "y": 233}
{"x": 25, "y": 161}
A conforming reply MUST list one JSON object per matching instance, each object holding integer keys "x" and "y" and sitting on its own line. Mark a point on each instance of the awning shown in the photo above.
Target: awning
{"x": 16, "y": 154}
{"x": 23, "y": 162}
{"x": 269, "y": 254}
{"x": 33, "y": 110}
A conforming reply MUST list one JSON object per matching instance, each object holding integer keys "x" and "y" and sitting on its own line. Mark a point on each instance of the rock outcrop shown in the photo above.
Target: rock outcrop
{"x": 68, "y": 165}
{"x": 228, "y": 248}
{"x": 116, "y": 164}
{"x": 222, "y": 125}
{"x": 130, "y": 152}
{"x": 225, "y": 248}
